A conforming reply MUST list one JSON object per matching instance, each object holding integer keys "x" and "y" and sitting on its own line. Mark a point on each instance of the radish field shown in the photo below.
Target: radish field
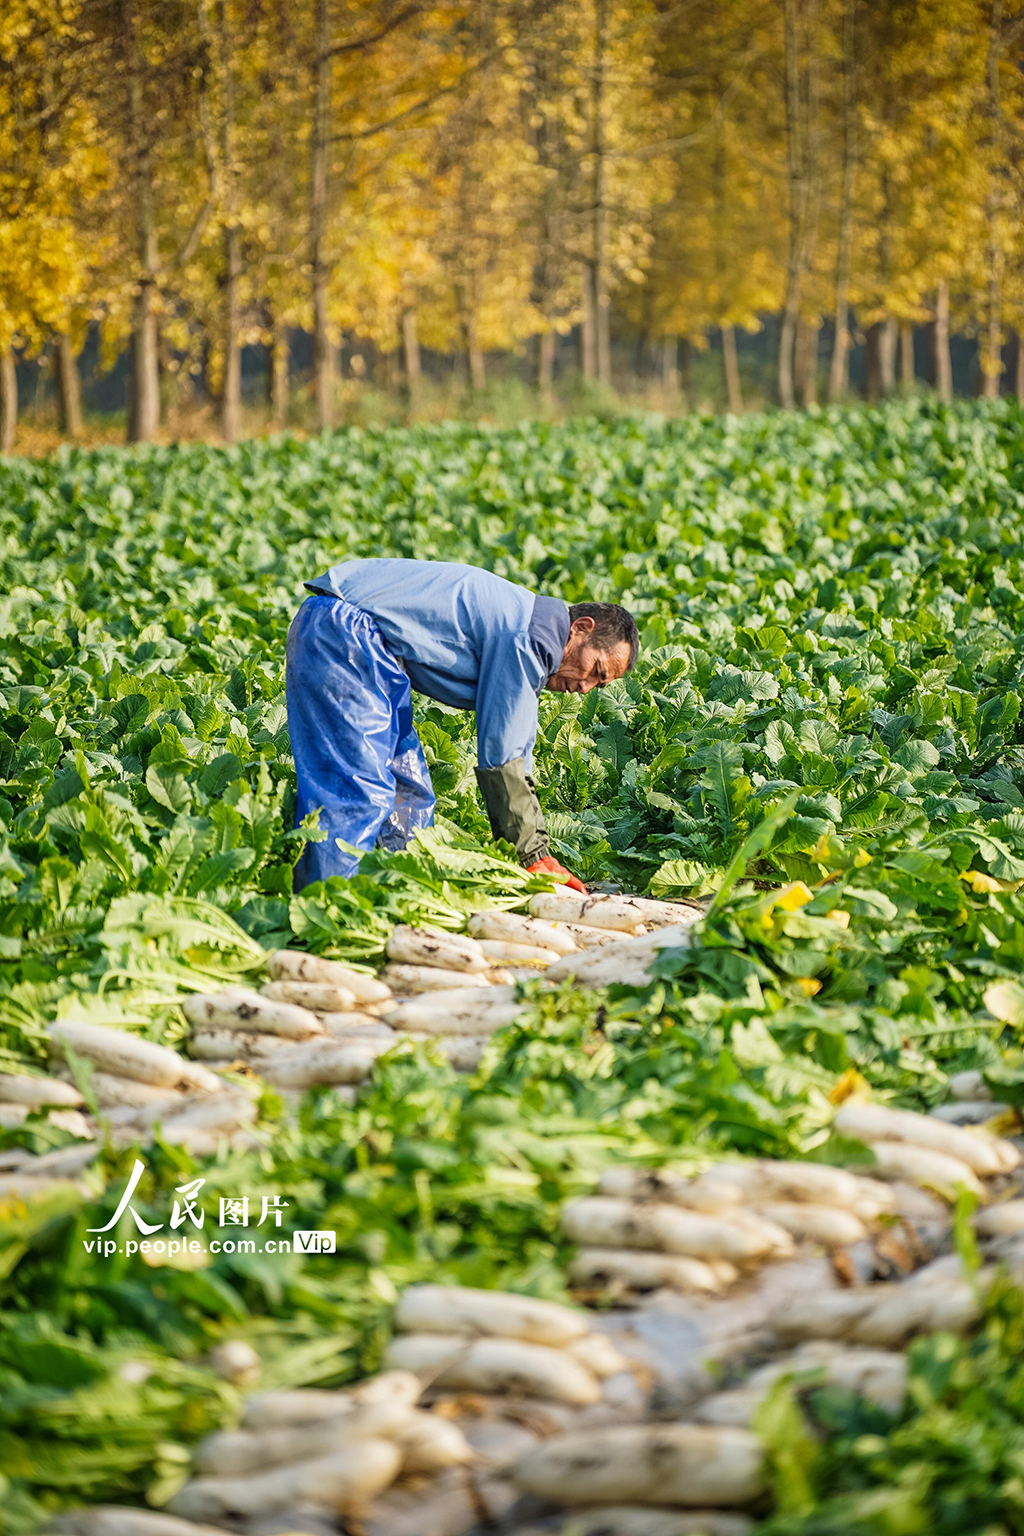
{"x": 827, "y": 704}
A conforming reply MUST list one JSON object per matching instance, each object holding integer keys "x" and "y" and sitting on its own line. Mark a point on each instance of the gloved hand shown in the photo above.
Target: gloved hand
{"x": 553, "y": 867}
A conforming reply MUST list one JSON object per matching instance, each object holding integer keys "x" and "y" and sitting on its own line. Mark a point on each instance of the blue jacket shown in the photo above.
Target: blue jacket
{"x": 465, "y": 637}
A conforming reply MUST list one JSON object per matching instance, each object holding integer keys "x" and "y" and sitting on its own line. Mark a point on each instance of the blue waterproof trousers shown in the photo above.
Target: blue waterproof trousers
{"x": 357, "y": 755}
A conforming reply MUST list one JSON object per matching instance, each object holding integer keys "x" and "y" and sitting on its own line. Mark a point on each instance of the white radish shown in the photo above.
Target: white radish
{"x": 873, "y": 1199}
{"x": 272, "y": 1410}
{"x": 618, "y": 912}
{"x": 124, "y": 1055}
{"x": 920, "y": 1165}
{"x": 627, "y": 963}
{"x": 825, "y": 1314}
{"x": 1004, "y": 1220}
{"x": 236, "y": 1361}
{"x": 220, "y": 1112}
{"x": 463, "y": 1053}
{"x": 817, "y": 1183}
{"x": 688, "y": 1464}
{"x": 321, "y": 1063}
{"x": 317, "y": 996}
{"x": 118, "y": 1092}
{"x": 875, "y": 1122}
{"x": 599, "y": 1221}
{"x": 118, "y": 1520}
{"x": 355, "y": 1026}
{"x": 235, "y": 1045}
{"x": 951, "y": 1307}
{"x": 586, "y": 937}
{"x": 444, "y": 1014}
{"x": 512, "y": 928}
{"x": 237, "y": 1008}
{"x": 826, "y": 1224}
{"x": 429, "y": 1443}
{"x": 878, "y": 1375}
{"x": 345, "y": 1480}
{"x": 495, "y": 1365}
{"x": 597, "y": 1352}
{"x": 634, "y": 1520}
{"x": 500, "y": 952}
{"x": 705, "y": 1193}
{"x": 413, "y": 979}
{"x": 970, "y": 1086}
{"x": 38, "y": 1092}
{"x": 295, "y": 965}
{"x": 232, "y": 1453}
{"x": 29, "y": 1186}
{"x": 427, "y": 947}
{"x": 643, "y": 1271}
{"x": 487, "y": 1314}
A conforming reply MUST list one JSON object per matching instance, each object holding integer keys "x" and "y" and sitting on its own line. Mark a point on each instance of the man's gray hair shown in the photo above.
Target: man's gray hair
{"x": 612, "y": 625}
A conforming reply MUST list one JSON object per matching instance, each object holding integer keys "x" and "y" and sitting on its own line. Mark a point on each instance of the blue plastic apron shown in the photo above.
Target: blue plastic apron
{"x": 357, "y": 755}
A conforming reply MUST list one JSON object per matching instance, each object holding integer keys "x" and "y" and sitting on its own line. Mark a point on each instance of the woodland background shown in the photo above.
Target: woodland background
{"x": 222, "y": 215}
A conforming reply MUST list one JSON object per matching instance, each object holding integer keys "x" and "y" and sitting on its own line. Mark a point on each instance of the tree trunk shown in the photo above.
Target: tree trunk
{"x": 805, "y": 361}
{"x": 801, "y": 113}
{"x": 992, "y": 342}
{"x": 323, "y": 349}
{"x": 477, "y": 368}
{"x": 280, "y": 351}
{"x": 1018, "y": 382}
{"x": 231, "y": 388}
{"x": 686, "y": 370}
{"x": 69, "y": 394}
{"x": 938, "y": 337}
{"x": 887, "y": 355}
{"x": 144, "y": 406}
{"x": 8, "y": 400}
{"x": 906, "y": 354}
{"x": 670, "y": 365}
{"x": 839, "y": 370}
{"x": 602, "y": 303}
{"x": 411, "y": 351}
{"x": 734, "y": 393}
{"x": 588, "y": 338}
{"x": 873, "y": 387}
{"x": 546, "y": 367}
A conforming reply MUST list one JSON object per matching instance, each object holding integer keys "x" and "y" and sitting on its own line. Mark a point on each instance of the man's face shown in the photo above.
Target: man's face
{"x": 583, "y": 666}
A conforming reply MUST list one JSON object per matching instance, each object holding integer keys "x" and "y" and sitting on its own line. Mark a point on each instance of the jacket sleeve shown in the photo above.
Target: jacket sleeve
{"x": 506, "y": 729}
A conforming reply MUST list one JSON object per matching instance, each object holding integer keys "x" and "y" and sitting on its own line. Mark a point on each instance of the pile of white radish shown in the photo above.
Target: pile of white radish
{"x": 460, "y": 1339}
{"x": 319, "y": 1451}
{"x": 24, "y": 1176}
{"x": 22, "y": 1095}
{"x": 309, "y": 1026}
{"x": 644, "y": 1230}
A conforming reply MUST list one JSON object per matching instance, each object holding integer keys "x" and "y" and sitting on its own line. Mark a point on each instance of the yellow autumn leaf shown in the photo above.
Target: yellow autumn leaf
{"x": 808, "y": 985}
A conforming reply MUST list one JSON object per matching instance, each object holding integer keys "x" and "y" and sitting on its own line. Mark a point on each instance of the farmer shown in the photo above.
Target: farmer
{"x": 375, "y": 629}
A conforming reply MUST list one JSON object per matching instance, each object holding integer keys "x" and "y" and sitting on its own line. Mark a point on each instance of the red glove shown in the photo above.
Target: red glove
{"x": 553, "y": 867}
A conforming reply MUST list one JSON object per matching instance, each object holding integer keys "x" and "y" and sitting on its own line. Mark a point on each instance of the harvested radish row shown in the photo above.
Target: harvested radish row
{"x": 495, "y": 1365}
{"x": 272, "y": 1410}
{"x": 236, "y": 1008}
{"x": 490, "y": 1314}
{"x": 294, "y": 965}
{"x": 706, "y": 1193}
{"x": 235, "y": 1045}
{"x": 501, "y": 952}
{"x": 117, "y": 1092}
{"x": 635, "y": 1520}
{"x": 355, "y": 1026}
{"x": 232, "y": 1453}
{"x": 625, "y": 964}
{"x": 983, "y": 1153}
{"x": 344, "y": 1480}
{"x": 123, "y": 1055}
{"x": 444, "y": 951}
{"x": 599, "y": 1221}
{"x": 584, "y": 936}
{"x": 1004, "y": 1220}
{"x": 429, "y": 1443}
{"x": 646, "y": 1271}
{"x": 815, "y": 1223}
{"x": 920, "y": 1165}
{"x": 511, "y": 928}
{"x": 673, "y": 1464}
{"x": 619, "y": 912}
{"x": 317, "y": 996}
{"x": 323, "y": 1062}
{"x": 411, "y": 979}
{"x": 597, "y": 1352}
{"x": 466, "y": 1013}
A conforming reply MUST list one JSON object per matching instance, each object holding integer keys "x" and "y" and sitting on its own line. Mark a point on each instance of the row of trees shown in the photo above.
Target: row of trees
{"x": 483, "y": 175}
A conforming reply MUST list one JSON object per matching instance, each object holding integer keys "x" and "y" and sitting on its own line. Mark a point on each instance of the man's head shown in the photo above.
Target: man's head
{"x": 602, "y": 645}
